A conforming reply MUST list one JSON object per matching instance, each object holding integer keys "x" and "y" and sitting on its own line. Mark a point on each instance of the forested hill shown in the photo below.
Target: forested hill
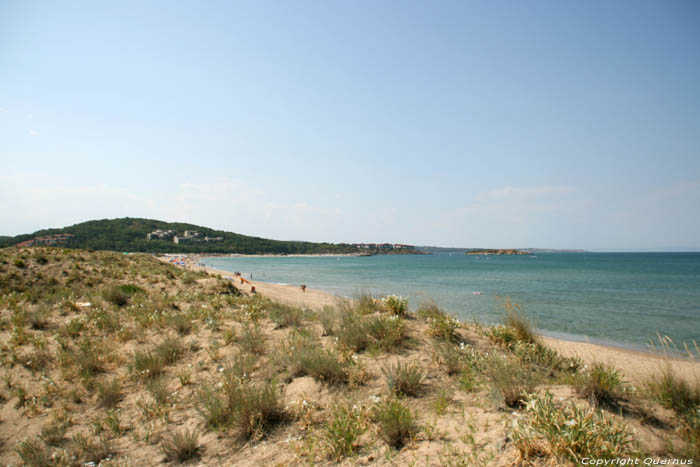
{"x": 129, "y": 234}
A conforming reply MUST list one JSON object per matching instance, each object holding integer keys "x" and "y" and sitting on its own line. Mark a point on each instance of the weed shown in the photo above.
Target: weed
{"x": 33, "y": 453}
{"x": 404, "y": 379}
{"x": 284, "y": 315}
{"x": 520, "y": 323}
{"x": 90, "y": 450}
{"x": 255, "y": 407}
{"x": 180, "y": 322}
{"x": 341, "y": 432}
{"x": 306, "y": 356}
{"x": 169, "y": 350}
{"x": 109, "y": 393}
{"x": 88, "y": 359}
{"x": 675, "y": 392}
{"x": 159, "y": 390}
{"x": 181, "y": 446}
{"x": 511, "y": 379}
{"x": 252, "y": 340}
{"x": 441, "y": 326}
{"x": 148, "y": 364}
{"x": 54, "y": 433}
{"x": 38, "y": 318}
{"x": 601, "y": 384}
{"x": 396, "y": 423}
{"x": 395, "y": 305}
{"x": 329, "y": 320}
{"x": 568, "y": 432}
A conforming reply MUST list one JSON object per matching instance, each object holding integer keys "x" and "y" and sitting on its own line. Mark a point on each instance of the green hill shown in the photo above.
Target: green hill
{"x": 129, "y": 234}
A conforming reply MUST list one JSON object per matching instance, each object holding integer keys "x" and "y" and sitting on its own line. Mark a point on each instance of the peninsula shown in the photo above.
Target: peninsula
{"x": 493, "y": 251}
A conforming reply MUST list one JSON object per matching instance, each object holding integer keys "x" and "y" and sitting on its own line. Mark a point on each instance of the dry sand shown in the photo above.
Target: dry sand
{"x": 636, "y": 366}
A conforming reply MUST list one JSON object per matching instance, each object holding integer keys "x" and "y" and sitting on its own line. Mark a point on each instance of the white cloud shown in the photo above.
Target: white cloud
{"x": 34, "y": 132}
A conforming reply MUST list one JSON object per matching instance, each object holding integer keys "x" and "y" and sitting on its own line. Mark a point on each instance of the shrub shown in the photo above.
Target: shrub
{"x": 306, "y": 356}
{"x": 90, "y": 450}
{"x": 109, "y": 393}
{"x": 365, "y": 303}
{"x": 19, "y": 263}
{"x": 181, "y": 446}
{"x": 511, "y": 379}
{"x": 406, "y": 380}
{"x": 180, "y": 322}
{"x": 169, "y": 350}
{"x": 33, "y": 453}
{"x": 38, "y": 318}
{"x": 396, "y": 423}
{"x": 548, "y": 360}
{"x": 569, "y": 432}
{"x": 54, "y": 434}
{"x": 116, "y": 296}
{"x": 159, "y": 390}
{"x": 387, "y": 333}
{"x": 329, "y": 320}
{"x": 255, "y": 408}
{"x": 88, "y": 359}
{"x": 358, "y": 334}
{"x": 602, "y": 385}
{"x": 351, "y": 333}
{"x": 41, "y": 259}
{"x": 440, "y": 325}
{"x": 72, "y": 328}
{"x": 251, "y": 408}
{"x": 252, "y": 340}
{"x": 284, "y": 315}
{"x": 520, "y": 323}
{"x": 214, "y": 410}
{"x": 675, "y": 392}
{"x": 148, "y": 364}
{"x": 131, "y": 289}
{"x": 341, "y": 432}
{"x": 450, "y": 356}
{"x": 395, "y": 304}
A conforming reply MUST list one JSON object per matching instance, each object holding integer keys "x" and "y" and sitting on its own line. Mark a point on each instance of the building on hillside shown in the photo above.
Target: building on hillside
{"x": 192, "y": 234}
{"x": 213, "y": 239}
{"x": 47, "y": 240}
{"x": 178, "y": 240}
{"x": 161, "y": 234}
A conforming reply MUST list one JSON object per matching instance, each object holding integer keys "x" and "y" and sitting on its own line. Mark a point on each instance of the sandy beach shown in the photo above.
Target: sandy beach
{"x": 636, "y": 366}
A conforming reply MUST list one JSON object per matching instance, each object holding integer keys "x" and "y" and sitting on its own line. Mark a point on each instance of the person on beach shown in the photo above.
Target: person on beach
{"x": 303, "y": 288}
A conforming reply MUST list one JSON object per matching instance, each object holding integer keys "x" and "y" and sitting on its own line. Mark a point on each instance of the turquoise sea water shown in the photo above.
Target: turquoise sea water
{"x": 615, "y": 298}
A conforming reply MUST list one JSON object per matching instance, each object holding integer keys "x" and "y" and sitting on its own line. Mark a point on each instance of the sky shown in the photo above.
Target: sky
{"x": 553, "y": 124}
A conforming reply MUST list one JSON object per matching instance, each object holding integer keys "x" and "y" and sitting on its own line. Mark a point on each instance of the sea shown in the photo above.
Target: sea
{"x": 619, "y": 299}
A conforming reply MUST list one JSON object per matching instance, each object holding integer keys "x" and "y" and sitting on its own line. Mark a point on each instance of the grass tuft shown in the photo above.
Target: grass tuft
{"x": 396, "y": 423}
{"x": 342, "y": 431}
{"x": 182, "y": 446}
{"x": 404, "y": 379}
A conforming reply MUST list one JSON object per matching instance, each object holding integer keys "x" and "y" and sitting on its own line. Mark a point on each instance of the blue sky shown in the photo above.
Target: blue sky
{"x": 560, "y": 124}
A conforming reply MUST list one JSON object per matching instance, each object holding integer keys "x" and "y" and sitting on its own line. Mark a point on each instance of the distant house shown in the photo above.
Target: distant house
{"x": 213, "y": 239}
{"x": 179, "y": 240}
{"x": 47, "y": 240}
{"x": 192, "y": 234}
{"x": 161, "y": 234}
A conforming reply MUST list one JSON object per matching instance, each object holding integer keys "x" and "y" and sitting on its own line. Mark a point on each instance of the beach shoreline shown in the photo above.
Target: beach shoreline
{"x": 636, "y": 365}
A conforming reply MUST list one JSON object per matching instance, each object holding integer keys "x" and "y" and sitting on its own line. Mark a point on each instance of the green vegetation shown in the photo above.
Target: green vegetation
{"x": 569, "y": 433}
{"x": 120, "y": 359}
{"x": 182, "y": 446}
{"x": 396, "y": 423}
{"x": 129, "y": 234}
